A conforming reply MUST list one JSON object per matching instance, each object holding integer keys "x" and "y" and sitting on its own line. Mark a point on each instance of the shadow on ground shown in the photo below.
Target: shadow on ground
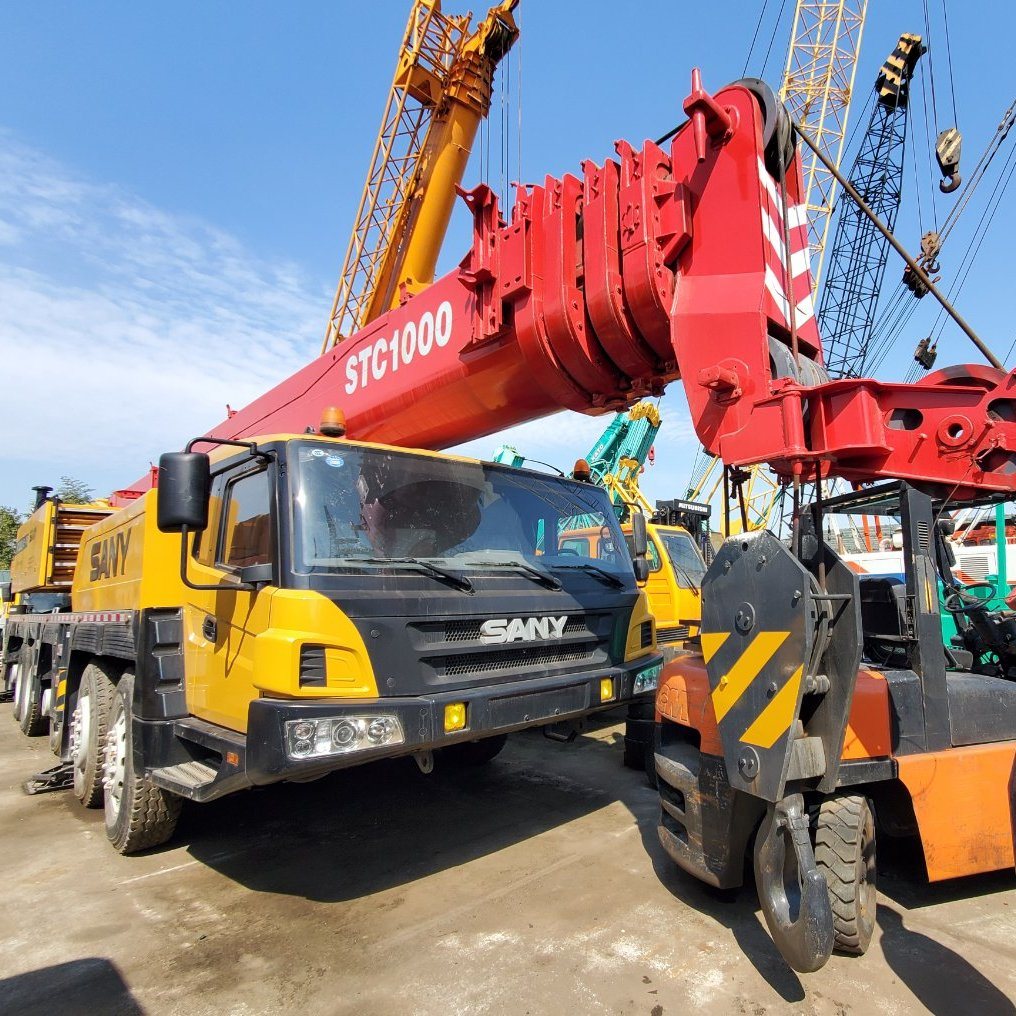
{"x": 942, "y": 980}
{"x": 91, "y": 986}
{"x": 363, "y": 831}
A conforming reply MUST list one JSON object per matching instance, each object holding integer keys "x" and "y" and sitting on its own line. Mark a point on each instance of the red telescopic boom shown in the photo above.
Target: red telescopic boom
{"x": 685, "y": 263}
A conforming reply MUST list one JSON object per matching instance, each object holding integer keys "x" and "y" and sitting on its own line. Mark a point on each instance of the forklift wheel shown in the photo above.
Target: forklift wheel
{"x": 845, "y": 854}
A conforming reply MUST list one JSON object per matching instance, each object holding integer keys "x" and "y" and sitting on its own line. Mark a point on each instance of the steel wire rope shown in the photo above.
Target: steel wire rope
{"x": 929, "y": 145}
{"x": 518, "y": 88}
{"x": 772, "y": 38}
{"x": 980, "y": 232}
{"x": 963, "y": 270}
{"x": 931, "y": 63}
{"x": 989, "y": 153}
{"x": 751, "y": 48}
{"x": 948, "y": 54}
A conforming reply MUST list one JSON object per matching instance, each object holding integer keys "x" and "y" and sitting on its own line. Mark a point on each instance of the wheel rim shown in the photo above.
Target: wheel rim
{"x": 15, "y": 681}
{"x": 81, "y": 728}
{"x": 116, "y": 764}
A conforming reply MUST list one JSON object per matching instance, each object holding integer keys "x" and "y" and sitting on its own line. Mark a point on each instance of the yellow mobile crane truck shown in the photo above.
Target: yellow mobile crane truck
{"x": 329, "y": 603}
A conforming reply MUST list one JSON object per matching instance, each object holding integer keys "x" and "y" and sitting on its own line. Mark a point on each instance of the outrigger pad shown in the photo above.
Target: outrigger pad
{"x": 58, "y": 778}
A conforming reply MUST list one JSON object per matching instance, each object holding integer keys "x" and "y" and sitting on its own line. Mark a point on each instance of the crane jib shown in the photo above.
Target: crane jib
{"x": 688, "y": 263}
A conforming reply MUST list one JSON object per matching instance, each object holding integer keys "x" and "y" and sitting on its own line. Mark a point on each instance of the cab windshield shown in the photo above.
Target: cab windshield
{"x": 688, "y": 565}
{"x": 362, "y": 508}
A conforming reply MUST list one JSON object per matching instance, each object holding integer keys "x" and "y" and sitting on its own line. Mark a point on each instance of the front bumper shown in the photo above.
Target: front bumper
{"x": 705, "y": 824}
{"x": 497, "y": 709}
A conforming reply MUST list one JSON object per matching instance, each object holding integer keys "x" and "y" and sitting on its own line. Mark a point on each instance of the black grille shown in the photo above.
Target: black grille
{"x": 509, "y": 659}
{"x": 646, "y": 634}
{"x": 312, "y": 666}
{"x": 677, "y": 633}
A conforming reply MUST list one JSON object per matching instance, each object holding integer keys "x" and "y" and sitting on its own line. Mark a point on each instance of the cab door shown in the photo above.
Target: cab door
{"x": 660, "y": 585}
{"x": 221, "y": 624}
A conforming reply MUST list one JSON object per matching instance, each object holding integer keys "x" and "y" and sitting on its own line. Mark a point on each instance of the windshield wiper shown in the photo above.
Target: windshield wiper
{"x": 682, "y": 574}
{"x": 594, "y": 569}
{"x": 461, "y": 581}
{"x": 538, "y": 576}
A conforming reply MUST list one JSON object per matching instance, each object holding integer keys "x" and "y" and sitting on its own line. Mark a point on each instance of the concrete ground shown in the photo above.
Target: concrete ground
{"x": 535, "y": 885}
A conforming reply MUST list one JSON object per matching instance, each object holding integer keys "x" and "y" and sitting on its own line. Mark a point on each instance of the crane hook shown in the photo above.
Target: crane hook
{"x": 949, "y": 185}
{"x": 947, "y": 151}
{"x": 800, "y": 920}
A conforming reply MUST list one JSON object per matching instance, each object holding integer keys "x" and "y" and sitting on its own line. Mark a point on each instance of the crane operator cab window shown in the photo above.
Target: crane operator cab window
{"x": 358, "y": 509}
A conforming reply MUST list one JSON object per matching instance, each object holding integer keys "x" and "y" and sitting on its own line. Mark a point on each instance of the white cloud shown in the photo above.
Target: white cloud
{"x": 124, "y": 329}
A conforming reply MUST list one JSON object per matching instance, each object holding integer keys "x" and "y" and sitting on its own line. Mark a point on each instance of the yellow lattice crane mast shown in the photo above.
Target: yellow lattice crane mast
{"x": 817, "y": 87}
{"x": 818, "y": 84}
{"x": 440, "y": 92}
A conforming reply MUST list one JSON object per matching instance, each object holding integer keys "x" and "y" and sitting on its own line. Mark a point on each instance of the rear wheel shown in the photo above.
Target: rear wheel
{"x": 31, "y": 721}
{"x": 88, "y": 734}
{"x": 845, "y": 854}
{"x": 475, "y": 753}
{"x": 15, "y": 685}
{"x": 139, "y": 814}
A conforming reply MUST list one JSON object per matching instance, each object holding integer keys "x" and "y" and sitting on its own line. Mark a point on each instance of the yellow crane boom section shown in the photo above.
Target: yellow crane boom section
{"x": 440, "y": 92}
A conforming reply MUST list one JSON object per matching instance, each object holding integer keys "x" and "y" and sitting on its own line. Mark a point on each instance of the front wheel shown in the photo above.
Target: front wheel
{"x": 845, "y": 854}
{"x": 139, "y": 814}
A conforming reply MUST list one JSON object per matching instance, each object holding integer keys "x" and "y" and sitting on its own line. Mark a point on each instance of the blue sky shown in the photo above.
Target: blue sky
{"x": 178, "y": 183}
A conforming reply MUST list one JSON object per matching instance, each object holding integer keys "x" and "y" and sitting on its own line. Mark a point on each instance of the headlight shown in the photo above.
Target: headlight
{"x": 648, "y": 679}
{"x": 341, "y": 735}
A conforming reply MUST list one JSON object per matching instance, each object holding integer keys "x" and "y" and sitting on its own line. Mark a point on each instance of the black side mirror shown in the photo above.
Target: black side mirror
{"x": 5, "y": 592}
{"x": 640, "y": 538}
{"x": 640, "y": 544}
{"x": 185, "y": 480}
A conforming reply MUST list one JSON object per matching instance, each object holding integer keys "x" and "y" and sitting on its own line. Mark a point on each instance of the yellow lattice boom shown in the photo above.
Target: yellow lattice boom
{"x": 440, "y": 92}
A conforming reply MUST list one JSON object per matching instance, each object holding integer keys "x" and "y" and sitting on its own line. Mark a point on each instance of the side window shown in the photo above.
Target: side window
{"x": 655, "y": 564}
{"x": 652, "y": 554}
{"x": 246, "y": 527}
{"x": 204, "y": 543}
{"x": 575, "y": 545}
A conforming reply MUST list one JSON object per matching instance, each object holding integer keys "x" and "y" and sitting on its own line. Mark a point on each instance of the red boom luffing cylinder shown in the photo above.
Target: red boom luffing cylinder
{"x": 684, "y": 263}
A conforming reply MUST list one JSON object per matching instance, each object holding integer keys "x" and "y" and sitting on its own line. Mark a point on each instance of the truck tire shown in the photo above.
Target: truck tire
{"x": 475, "y": 753}
{"x": 845, "y": 854}
{"x": 88, "y": 734}
{"x": 139, "y": 815}
{"x": 31, "y": 721}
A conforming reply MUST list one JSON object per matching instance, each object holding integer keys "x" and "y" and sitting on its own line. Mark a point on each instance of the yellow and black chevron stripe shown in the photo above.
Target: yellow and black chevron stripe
{"x": 61, "y": 694}
{"x": 780, "y": 711}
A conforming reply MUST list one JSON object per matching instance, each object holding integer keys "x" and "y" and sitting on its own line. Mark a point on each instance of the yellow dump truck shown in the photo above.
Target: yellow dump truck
{"x": 281, "y": 608}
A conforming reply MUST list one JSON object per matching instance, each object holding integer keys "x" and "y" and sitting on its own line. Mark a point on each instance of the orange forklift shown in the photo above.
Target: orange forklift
{"x": 748, "y": 734}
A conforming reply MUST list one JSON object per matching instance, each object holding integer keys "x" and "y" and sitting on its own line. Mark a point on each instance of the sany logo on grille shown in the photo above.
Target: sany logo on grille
{"x": 499, "y": 630}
